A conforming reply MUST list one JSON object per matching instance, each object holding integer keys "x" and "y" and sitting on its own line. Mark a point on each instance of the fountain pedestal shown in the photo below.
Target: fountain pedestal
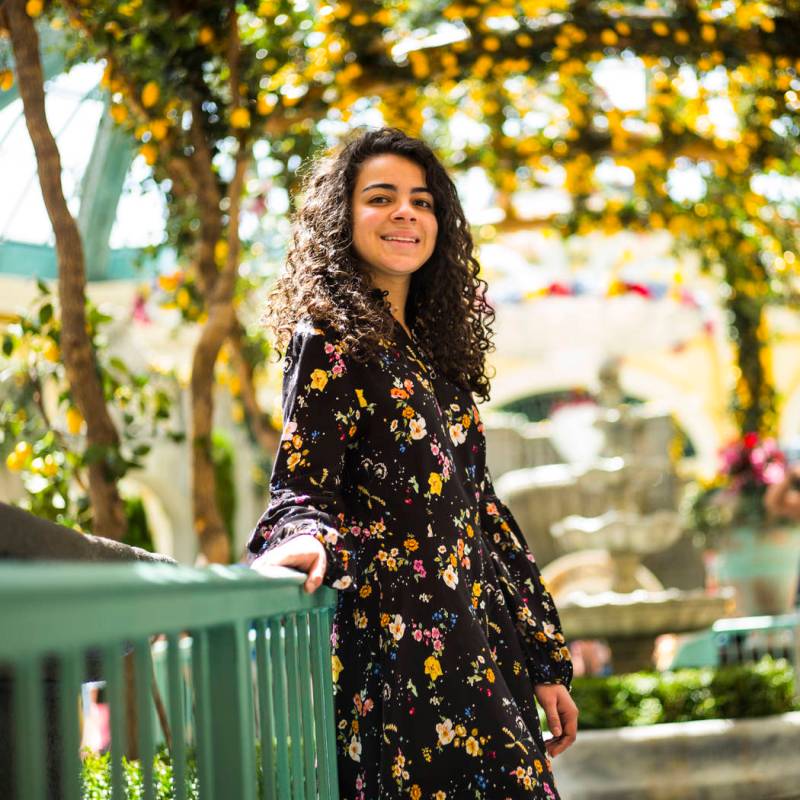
{"x": 632, "y": 608}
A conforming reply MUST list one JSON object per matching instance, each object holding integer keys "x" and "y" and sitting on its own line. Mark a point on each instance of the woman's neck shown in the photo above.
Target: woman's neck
{"x": 397, "y": 295}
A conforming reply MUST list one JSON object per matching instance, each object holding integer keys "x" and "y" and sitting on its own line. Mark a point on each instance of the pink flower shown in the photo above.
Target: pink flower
{"x": 417, "y": 635}
{"x": 329, "y": 349}
{"x": 775, "y": 472}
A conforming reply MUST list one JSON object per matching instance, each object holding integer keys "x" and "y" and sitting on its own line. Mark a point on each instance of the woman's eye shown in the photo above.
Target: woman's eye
{"x": 425, "y": 203}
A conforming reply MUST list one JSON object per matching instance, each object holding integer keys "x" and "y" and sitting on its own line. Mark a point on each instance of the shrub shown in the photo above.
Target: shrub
{"x": 648, "y": 698}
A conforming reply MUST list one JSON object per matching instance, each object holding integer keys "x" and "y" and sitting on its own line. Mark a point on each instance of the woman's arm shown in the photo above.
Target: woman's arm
{"x": 321, "y": 415}
{"x": 529, "y": 601}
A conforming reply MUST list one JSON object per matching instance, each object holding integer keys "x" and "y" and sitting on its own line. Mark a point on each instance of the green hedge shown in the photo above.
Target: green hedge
{"x": 648, "y": 698}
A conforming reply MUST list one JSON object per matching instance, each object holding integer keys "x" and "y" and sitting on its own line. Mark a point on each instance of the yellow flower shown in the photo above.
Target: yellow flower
{"x": 264, "y": 104}
{"x": 150, "y": 94}
{"x": 159, "y": 129}
{"x": 17, "y": 458}
{"x": 293, "y": 460}
{"x": 433, "y": 667}
{"x": 490, "y": 675}
{"x": 708, "y": 33}
{"x": 33, "y": 8}
{"x": 149, "y": 152}
{"x": 609, "y": 37}
{"x": 50, "y": 469}
{"x": 319, "y": 379}
{"x": 365, "y": 590}
{"x": 6, "y": 79}
{"x": 408, "y": 412}
{"x": 74, "y": 421}
{"x": 240, "y": 118}
{"x": 415, "y": 792}
{"x": 118, "y": 113}
{"x": 220, "y": 252}
{"x": 360, "y": 395}
{"x": 435, "y": 483}
{"x": 411, "y": 544}
{"x": 205, "y": 35}
{"x": 336, "y": 668}
{"x": 51, "y": 351}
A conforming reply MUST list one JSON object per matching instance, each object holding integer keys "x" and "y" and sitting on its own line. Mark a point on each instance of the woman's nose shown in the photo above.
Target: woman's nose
{"x": 404, "y": 210}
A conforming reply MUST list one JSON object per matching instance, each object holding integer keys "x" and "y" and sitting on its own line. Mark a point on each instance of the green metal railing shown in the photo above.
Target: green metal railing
{"x": 247, "y": 661}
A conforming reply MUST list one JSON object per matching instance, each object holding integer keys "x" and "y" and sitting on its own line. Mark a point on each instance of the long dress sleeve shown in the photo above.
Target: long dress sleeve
{"x": 321, "y": 413}
{"x": 524, "y": 591}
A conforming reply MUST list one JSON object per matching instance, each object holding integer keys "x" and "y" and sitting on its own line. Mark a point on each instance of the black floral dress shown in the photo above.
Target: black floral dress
{"x": 443, "y": 623}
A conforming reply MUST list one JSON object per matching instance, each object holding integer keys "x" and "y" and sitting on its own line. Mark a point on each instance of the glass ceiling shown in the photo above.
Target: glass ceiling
{"x": 74, "y": 109}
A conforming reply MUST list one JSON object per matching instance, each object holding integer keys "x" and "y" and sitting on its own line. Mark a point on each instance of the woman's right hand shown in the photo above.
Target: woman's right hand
{"x": 304, "y": 552}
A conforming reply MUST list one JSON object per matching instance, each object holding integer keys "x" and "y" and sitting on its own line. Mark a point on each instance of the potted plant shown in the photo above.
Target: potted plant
{"x": 751, "y": 543}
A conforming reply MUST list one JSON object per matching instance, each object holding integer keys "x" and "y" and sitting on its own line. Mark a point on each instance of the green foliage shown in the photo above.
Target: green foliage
{"x": 42, "y": 434}
{"x": 222, "y": 456}
{"x": 648, "y": 698}
{"x": 138, "y": 528}
{"x": 96, "y": 777}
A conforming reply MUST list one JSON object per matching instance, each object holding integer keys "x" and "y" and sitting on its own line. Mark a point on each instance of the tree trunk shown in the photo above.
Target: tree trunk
{"x": 208, "y": 522}
{"x": 754, "y": 398}
{"x": 76, "y": 346}
{"x": 209, "y": 526}
{"x": 267, "y": 437}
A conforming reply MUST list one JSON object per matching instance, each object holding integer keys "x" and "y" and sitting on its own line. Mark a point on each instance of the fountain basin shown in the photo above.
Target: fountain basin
{"x": 641, "y": 613}
{"x": 619, "y": 531}
{"x": 702, "y": 760}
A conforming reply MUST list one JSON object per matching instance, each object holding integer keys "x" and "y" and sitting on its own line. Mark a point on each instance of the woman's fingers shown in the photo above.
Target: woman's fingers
{"x": 316, "y": 573}
{"x": 305, "y": 553}
{"x": 562, "y": 717}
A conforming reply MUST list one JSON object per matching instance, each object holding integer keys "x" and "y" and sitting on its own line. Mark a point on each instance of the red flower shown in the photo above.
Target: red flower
{"x": 750, "y": 440}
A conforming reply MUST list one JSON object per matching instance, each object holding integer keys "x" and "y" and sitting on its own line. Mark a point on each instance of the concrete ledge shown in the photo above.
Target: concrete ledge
{"x": 25, "y": 536}
{"x": 705, "y": 760}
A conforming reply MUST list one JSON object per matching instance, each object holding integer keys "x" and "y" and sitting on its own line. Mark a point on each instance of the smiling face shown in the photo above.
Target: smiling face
{"x": 394, "y": 224}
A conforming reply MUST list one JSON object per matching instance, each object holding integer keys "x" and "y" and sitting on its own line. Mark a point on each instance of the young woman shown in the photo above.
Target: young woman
{"x": 444, "y": 631}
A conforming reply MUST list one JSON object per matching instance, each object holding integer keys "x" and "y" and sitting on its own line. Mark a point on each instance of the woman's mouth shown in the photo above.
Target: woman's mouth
{"x": 401, "y": 241}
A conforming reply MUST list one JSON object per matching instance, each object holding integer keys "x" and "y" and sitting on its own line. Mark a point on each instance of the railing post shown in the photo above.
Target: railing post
{"x": 233, "y": 735}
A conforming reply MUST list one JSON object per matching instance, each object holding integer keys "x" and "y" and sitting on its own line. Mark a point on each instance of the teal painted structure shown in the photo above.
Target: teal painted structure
{"x": 259, "y": 669}
{"x": 739, "y": 640}
{"x": 101, "y": 188}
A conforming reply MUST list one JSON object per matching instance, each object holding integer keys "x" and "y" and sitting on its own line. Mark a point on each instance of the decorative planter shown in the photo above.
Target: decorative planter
{"x": 762, "y": 566}
{"x": 705, "y": 760}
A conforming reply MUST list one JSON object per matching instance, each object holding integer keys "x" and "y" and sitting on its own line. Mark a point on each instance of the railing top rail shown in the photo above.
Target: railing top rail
{"x": 48, "y": 607}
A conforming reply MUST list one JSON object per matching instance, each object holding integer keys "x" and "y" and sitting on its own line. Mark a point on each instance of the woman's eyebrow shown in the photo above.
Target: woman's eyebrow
{"x": 393, "y": 188}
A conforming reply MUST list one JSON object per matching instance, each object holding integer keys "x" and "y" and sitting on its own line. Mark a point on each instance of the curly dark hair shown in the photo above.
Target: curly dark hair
{"x": 325, "y": 281}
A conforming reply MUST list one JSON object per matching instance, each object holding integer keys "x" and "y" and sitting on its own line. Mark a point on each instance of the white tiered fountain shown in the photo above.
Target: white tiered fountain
{"x": 601, "y": 587}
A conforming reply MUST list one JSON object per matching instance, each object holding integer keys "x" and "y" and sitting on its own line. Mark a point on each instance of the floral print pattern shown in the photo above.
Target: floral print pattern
{"x": 443, "y": 624}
